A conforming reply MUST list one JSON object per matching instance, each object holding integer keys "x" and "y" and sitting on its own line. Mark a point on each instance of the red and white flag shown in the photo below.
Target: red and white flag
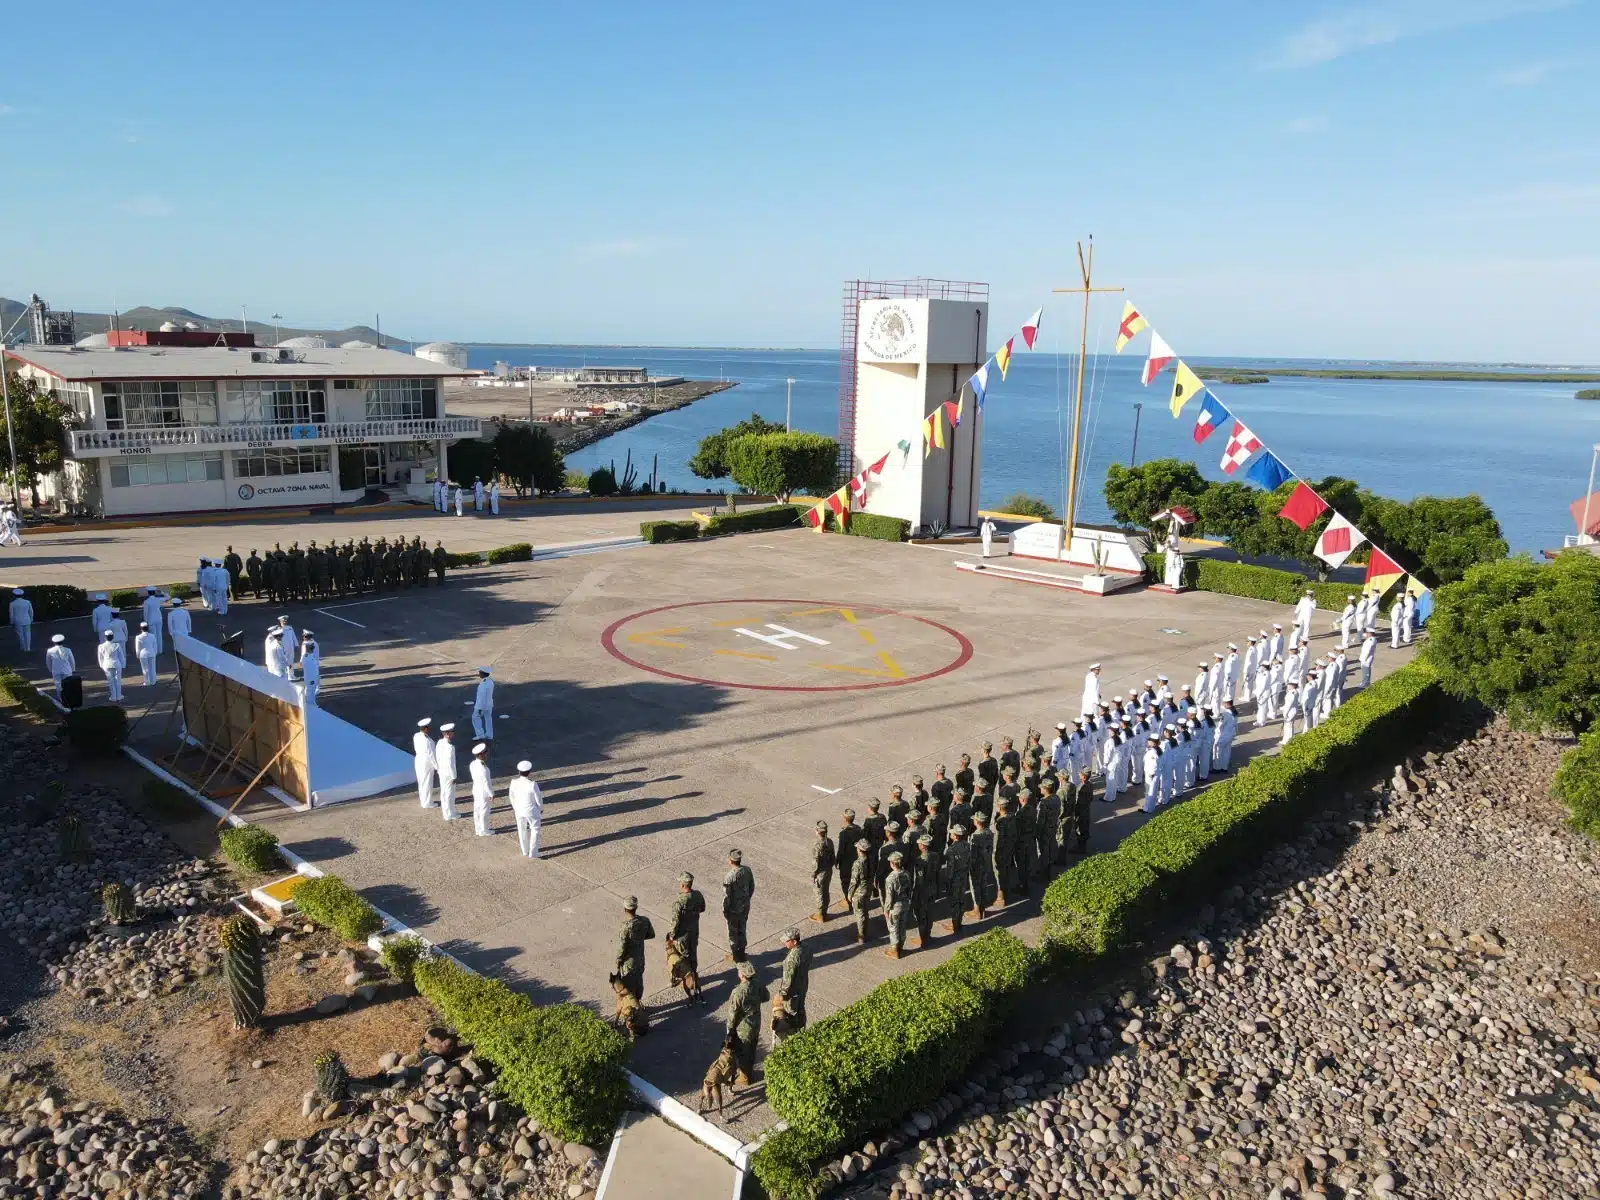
{"x": 1161, "y": 357}
{"x": 1030, "y": 328}
{"x": 858, "y": 488}
{"x": 1241, "y": 445}
{"x": 1338, "y": 540}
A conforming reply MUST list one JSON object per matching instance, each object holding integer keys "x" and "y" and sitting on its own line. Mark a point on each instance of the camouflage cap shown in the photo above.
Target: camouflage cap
{"x": 897, "y": 790}
{"x": 747, "y": 970}
{"x": 735, "y": 856}
{"x": 631, "y": 904}
{"x": 896, "y": 856}
{"x": 988, "y": 745}
{"x": 849, "y": 814}
{"x": 791, "y": 934}
{"x": 980, "y": 817}
{"x": 960, "y": 791}
{"x": 686, "y": 879}
{"x": 935, "y": 802}
{"x": 893, "y": 827}
{"x": 925, "y": 840}
{"x": 863, "y": 847}
{"x": 958, "y": 831}
{"x": 874, "y": 804}
{"x": 822, "y": 827}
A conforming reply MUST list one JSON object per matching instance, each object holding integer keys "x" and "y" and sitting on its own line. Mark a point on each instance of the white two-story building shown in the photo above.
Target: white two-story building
{"x": 174, "y": 421}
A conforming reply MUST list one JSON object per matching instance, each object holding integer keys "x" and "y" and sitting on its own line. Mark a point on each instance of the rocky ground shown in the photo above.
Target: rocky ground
{"x": 1403, "y": 1003}
{"x": 120, "y": 1075}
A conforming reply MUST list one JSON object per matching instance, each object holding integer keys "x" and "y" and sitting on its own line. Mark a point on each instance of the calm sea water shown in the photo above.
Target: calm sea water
{"x": 1524, "y": 447}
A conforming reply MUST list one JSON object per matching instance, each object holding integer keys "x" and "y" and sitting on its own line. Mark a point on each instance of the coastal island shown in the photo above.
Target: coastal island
{"x": 577, "y": 416}
{"x": 1261, "y": 374}
{"x": 1588, "y": 394}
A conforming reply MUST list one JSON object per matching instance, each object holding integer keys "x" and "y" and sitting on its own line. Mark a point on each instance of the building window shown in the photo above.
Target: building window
{"x": 256, "y": 464}
{"x": 131, "y": 404}
{"x": 347, "y": 385}
{"x": 165, "y": 468}
{"x": 402, "y": 399}
{"x": 281, "y": 401}
{"x": 79, "y": 397}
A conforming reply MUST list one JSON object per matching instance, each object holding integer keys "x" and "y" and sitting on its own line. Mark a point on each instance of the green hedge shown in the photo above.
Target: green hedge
{"x": 52, "y": 601}
{"x": 563, "y": 1064}
{"x": 1255, "y": 583}
{"x": 332, "y": 902}
{"x": 656, "y": 532}
{"x": 400, "y": 956}
{"x": 899, "y": 1047}
{"x": 516, "y": 552}
{"x": 472, "y": 558}
{"x": 25, "y": 694}
{"x": 1108, "y": 901}
{"x": 783, "y": 1165}
{"x": 778, "y": 516}
{"x": 251, "y": 847}
{"x": 1578, "y": 783}
{"x": 875, "y": 526}
{"x": 99, "y": 730}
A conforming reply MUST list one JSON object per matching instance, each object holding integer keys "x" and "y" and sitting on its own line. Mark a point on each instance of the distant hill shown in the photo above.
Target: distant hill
{"x": 145, "y": 317}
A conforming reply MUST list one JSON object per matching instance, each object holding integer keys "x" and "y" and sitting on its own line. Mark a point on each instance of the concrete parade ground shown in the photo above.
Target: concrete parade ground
{"x": 676, "y": 701}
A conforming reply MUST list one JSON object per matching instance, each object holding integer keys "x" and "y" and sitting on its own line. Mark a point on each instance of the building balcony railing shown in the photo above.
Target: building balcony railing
{"x": 148, "y": 439}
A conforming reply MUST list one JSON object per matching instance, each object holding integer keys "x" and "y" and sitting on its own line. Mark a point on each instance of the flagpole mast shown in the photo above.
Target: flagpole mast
{"x": 1086, "y": 269}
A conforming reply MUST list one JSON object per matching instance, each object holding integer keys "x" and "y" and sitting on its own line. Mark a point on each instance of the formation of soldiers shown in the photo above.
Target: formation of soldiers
{"x": 742, "y": 1018}
{"x": 982, "y": 840}
{"x": 327, "y": 572}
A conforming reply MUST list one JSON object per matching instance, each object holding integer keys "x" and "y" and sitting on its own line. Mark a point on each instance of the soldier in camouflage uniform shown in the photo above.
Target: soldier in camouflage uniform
{"x": 440, "y": 561}
{"x": 983, "y": 799}
{"x": 859, "y": 890}
{"x": 844, "y": 857}
{"x": 876, "y": 829}
{"x": 744, "y": 1021}
{"x": 1008, "y": 788}
{"x": 738, "y": 888}
{"x": 958, "y": 874}
{"x": 796, "y": 978}
{"x": 983, "y": 864}
{"x": 1009, "y": 757}
{"x": 880, "y": 859}
{"x": 636, "y": 931}
{"x": 1005, "y": 852}
{"x": 1047, "y": 829}
{"x": 821, "y": 870}
{"x": 898, "y": 807}
{"x": 1027, "y": 840}
{"x": 938, "y": 823}
{"x": 965, "y": 776}
{"x": 685, "y": 927}
{"x": 919, "y": 794}
{"x": 897, "y": 903}
{"x": 988, "y": 766}
{"x": 940, "y": 787}
{"x": 1082, "y": 811}
{"x": 925, "y": 888}
{"x": 252, "y": 570}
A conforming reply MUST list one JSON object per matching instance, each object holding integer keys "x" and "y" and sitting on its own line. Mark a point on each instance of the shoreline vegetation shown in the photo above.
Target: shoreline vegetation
{"x": 1588, "y": 394}
{"x": 1261, "y": 374}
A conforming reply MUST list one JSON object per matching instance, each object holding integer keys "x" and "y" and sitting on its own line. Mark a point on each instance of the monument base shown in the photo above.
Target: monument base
{"x": 1092, "y": 546}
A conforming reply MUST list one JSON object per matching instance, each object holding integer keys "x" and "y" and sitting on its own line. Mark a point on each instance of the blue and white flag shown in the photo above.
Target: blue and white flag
{"x": 980, "y": 384}
{"x": 1211, "y": 414}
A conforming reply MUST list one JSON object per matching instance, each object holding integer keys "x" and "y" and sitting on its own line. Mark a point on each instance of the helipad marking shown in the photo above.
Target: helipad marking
{"x": 654, "y": 637}
{"x": 780, "y": 638}
{"x": 827, "y": 791}
{"x": 891, "y": 669}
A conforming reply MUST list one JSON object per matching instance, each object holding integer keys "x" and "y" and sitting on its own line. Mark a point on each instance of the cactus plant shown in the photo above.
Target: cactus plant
{"x": 243, "y": 971}
{"x": 72, "y": 836}
{"x": 333, "y": 1081}
{"x": 118, "y": 901}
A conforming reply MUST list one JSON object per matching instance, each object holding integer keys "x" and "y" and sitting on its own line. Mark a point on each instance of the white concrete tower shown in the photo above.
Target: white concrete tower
{"x": 913, "y": 355}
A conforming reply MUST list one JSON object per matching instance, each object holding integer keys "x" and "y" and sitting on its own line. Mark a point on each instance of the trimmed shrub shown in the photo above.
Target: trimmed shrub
{"x": 877, "y": 527}
{"x": 783, "y": 1166}
{"x": 99, "y": 730}
{"x": 777, "y": 516}
{"x": 25, "y": 694}
{"x": 1024, "y": 505}
{"x": 251, "y": 848}
{"x": 125, "y": 598}
{"x": 1578, "y": 783}
{"x": 563, "y": 1064}
{"x": 332, "y": 902}
{"x": 51, "y": 601}
{"x": 1254, "y": 583}
{"x": 602, "y": 482}
{"x": 656, "y": 532}
{"x": 1000, "y": 966}
{"x": 400, "y": 956}
{"x": 516, "y": 552}
{"x": 1105, "y": 902}
{"x": 471, "y": 558}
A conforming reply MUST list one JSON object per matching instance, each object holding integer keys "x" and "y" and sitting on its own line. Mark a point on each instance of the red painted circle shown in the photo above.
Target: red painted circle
{"x": 608, "y": 640}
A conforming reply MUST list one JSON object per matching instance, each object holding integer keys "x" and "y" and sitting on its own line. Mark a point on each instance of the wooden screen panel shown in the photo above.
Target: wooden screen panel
{"x": 229, "y": 717}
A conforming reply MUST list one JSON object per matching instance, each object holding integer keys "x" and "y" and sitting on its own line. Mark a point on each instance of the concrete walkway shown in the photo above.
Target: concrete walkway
{"x": 652, "y": 1159}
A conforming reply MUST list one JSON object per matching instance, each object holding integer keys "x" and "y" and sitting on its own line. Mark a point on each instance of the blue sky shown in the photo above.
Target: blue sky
{"x": 1413, "y": 178}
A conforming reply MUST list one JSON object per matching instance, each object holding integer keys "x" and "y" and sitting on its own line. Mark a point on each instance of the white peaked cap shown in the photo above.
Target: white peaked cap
{"x": 480, "y": 747}
{"x": 16, "y": 591}
{"x": 425, "y": 722}
{"x": 1094, "y": 666}
{"x": 58, "y": 638}
{"x": 447, "y": 727}
{"x": 484, "y": 671}
{"x": 524, "y": 766}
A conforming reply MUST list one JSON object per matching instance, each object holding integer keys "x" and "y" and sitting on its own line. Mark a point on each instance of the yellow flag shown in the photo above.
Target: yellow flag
{"x": 933, "y": 432}
{"x": 1186, "y": 386}
{"x": 1415, "y": 586}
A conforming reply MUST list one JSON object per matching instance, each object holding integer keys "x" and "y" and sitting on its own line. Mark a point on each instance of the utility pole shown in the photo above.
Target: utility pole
{"x": 1086, "y": 269}
{"x": 788, "y": 408}
{"x": 1133, "y": 460}
{"x": 277, "y": 333}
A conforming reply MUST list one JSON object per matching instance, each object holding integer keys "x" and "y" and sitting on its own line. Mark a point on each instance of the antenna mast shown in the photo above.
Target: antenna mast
{"x": 1086, "y": 269}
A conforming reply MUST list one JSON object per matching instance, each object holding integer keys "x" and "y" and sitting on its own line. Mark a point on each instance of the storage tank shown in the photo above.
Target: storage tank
{"x": 303, "y": 343}
{"x": 448, "y": 353}
{"x": 357, "y": 344}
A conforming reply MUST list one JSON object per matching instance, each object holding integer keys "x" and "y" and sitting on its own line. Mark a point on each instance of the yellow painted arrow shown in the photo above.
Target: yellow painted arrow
{"x": 849, "y": 614}
{"x": 656, "y": 637}
{"x": 891, "y": 669}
